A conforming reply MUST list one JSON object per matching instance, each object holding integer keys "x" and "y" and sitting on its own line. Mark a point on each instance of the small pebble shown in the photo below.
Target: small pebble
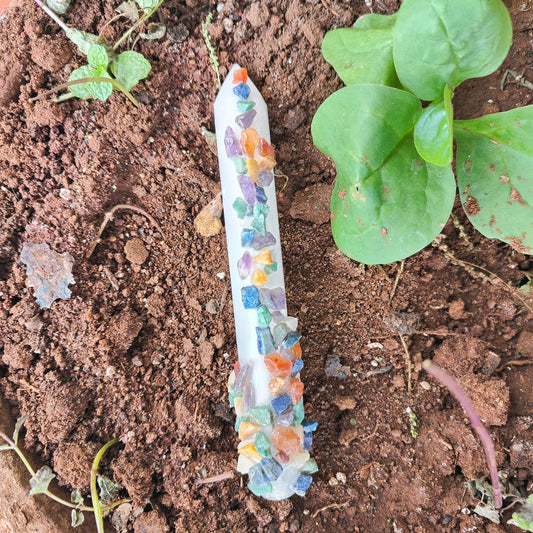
{"x": 456, "y": 309}
{"x": 212, "y": 307}
{"x": 425, "y": 385}
{"x": 344, "y": 402}
{"x": 178, "y": 33}
{"x": 341, "y": 476}
{"x": 398, "y": 382}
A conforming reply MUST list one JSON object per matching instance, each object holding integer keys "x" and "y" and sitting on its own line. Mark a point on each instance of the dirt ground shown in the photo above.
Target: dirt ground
{"x": 143, "y": 347}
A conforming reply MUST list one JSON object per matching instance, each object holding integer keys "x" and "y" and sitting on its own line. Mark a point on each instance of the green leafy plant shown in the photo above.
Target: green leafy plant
{"x": 40, "y": 481}
{"x": 106, "y": 70}
{"x": 395, "y": 186}
{"x": 524, "y": 517}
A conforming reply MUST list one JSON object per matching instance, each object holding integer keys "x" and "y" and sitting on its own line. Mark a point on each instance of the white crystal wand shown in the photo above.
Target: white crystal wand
{"x": 265, "y": 387}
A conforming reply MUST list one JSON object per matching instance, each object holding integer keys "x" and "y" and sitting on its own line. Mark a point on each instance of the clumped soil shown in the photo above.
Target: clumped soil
{"x": 143, "y": 347}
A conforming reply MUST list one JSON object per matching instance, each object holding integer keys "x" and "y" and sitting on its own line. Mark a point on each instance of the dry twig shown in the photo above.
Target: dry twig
{"x": 397, "y": 279}
{"x": 215, "y": 479}
{"x": 408, "y": 363}
{"x": 110, "y": 215}
{"x": 330, "y": 506}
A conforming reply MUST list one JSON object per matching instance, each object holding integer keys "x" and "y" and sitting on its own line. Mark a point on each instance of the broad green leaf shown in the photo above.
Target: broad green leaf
{"x": 495, "y": 175}
{"x": 97, "y": 56}
{"x": 361, "y": 56}
{"x": 94, "y": 89}
{"x": 438, "y": 43}
{"x": 387, "y": 203}
{"x": 147, "y": 4}
{"x": 375, "y": 21}
{"x": 83, "y": 89}
{"x": 130, "y": 68}
{"x": 434, "y": 131}
{"x": 44, "y": 476}
{"x": 76, "y": 518}
{"x": 100, "y": 89}
{"x": 108, "y": 489}
{"x": 81, "y": 39}
{"x": 58, "y": 6}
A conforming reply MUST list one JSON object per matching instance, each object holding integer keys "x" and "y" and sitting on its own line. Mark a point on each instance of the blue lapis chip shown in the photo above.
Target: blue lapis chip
{"x": 260, "y": 195}
{"x": 308, "y": 425}
{"x": 280, "y": 403}
{"x": 265, "y": 341}
{"x": 250, "y": 297}
{"x": 271, "y": 469}
{"x": 247, "y": 237}
{"x": 291, "y": 339}
{"x": 297, "y": 366}
{"x": 303, "y": 483}
{"x": 242, "y": 91}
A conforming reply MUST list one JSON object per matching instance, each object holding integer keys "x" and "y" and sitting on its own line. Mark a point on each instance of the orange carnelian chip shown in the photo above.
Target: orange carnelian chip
{"x": 259, "y": 278}
{"x": 240, "y": 76}
{"x": 285, "y": 439}
{"x": 277, "y": 386}
{"x": 264, "y": 149}
{"x": 252, "y": 170}
{"x": 277, "y": 365}
{"x": 296, "y": 350}
{"x": 296, "y": 390}
{"x": 249, "y": 141}
{"x": 263, "y": 258}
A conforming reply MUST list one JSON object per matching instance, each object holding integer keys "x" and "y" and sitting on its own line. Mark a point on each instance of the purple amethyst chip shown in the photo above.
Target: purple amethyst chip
{"x": 245, "y": 120}
{"x": 232, "y": 144}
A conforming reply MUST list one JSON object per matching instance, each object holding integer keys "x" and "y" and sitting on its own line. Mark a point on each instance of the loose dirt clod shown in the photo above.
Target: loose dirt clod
{"x": 136, "y": 251}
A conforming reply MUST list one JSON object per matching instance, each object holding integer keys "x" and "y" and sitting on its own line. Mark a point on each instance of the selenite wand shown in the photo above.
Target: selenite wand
{"x": 265, "y": 387}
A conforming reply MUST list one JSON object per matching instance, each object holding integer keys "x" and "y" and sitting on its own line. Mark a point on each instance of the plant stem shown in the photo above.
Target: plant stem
{"x": 52, "y": 496}
{"x": 116, "y": 84}
{"x": 94, "y": 491}
{"x": 29, "y": 468}
{"x": 146, "y": 16}
{"x": 452, "y": 385}
{"x": 53, "y": 16}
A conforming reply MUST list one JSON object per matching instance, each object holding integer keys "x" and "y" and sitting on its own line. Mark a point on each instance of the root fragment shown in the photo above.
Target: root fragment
{"x": 111, "y": 214}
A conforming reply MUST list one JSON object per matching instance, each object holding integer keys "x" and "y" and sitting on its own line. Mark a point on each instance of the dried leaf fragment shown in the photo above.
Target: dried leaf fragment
{"x": 207, "y": 222}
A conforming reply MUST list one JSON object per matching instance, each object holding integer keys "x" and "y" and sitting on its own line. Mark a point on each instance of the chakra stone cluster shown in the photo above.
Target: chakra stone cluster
{"x": 275, "y": 436}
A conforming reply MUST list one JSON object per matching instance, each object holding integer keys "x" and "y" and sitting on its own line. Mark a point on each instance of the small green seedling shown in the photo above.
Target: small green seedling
{"x": 213, "y": 58}
{"x": 40, "y": 480}
{"x": 395, "y": 186}
{"x": 412, "y": 422}
{"x": 106, "y": 70}
{"x": 524, "y": 517}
